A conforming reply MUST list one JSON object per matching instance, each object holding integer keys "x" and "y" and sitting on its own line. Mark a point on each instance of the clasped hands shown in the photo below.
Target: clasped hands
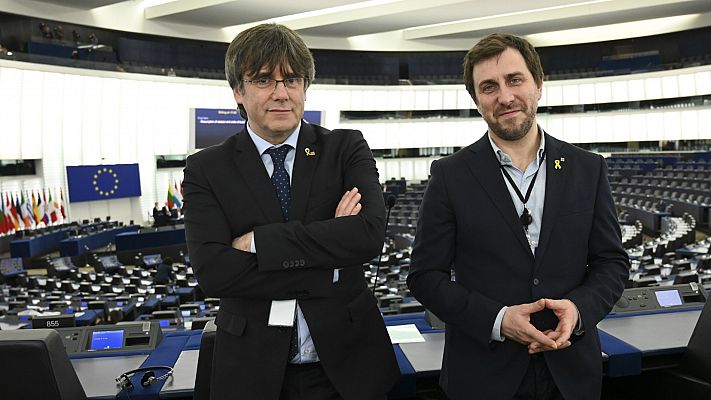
{"x": 349, "y": 205}
{"x": 516, "y": 325}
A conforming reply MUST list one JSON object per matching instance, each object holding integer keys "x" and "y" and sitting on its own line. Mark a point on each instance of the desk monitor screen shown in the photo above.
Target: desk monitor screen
{"x": 109, "y": 261}
{"x": 152, "y": 259}
{"x": 11, "y": 266}
{"x": 668, "y": 298}
{"x": 106, "y": 340}
{"x": 62, "y": 263}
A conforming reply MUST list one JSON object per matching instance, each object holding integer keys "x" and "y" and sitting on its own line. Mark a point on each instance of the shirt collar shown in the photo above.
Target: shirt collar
{"x": 262, "y": 145}
{"x": 506, "y": 159}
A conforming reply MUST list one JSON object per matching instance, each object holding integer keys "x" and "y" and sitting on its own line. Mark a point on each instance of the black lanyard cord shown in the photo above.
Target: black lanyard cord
{"x": 525, "y": 217}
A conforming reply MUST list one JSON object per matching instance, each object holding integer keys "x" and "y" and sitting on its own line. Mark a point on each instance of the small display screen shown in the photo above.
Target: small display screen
{"x": 185, "y": 313}
{"x": 109, "y": 261}
{"x": 668, "y": 298}
{"x": 164, "y": 322}
{"x": 104, "y": 340}
{"x": 152, "y": 259}
{"x": 62, "y": 264}
{"x": 9, "y": 266}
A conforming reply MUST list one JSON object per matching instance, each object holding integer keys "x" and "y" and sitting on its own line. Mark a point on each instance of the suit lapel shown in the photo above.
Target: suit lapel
{"x": 485, "y": 168}
{"x": 251, "y": 168}
{"x": 304, "y": 169}
{"x": 555, "y": 186}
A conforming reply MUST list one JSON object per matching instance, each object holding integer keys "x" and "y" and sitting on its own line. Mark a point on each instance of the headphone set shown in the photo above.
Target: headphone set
{"x": 149, "y": 377}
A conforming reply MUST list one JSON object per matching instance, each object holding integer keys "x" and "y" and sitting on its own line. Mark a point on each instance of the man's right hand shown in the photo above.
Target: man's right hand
{"x": 349, "y": 204}
{"x": 516, "y": 325}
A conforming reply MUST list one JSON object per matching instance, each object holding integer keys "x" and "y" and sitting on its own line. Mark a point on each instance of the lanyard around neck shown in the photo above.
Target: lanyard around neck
{"x": 525, "y": 217}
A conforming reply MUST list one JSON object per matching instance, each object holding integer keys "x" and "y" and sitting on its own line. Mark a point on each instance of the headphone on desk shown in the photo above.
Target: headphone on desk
{"x": 148, "y": 378}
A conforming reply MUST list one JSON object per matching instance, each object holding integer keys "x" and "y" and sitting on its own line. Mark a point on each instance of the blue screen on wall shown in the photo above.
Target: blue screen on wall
{"x": 213, "y": 126}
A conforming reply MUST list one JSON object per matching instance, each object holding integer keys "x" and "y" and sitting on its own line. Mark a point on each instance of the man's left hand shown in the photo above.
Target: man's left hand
{"x": 567, "y": 314}
{"x": 349, "y": 204}
{"x": 244, "y": 242}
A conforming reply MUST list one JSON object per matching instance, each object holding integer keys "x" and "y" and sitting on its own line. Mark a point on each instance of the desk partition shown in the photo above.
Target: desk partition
{"x": 150, "y": 238}
{"x": 77, "y": 246}
{"x": 38, "y": 245}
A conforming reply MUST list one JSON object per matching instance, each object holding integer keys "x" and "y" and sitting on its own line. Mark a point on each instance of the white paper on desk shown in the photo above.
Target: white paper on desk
{"x": 282, "y": 313}
{"x": 405, "y": 334}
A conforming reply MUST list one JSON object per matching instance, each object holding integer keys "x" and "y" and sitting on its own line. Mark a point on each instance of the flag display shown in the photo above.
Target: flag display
{"x": 103, "y": 182}
{"x": 174, "y": 199}
{"x": 61, "y": 203}
{"x": 169, "y": 199}
{"x": 53, "y": 209}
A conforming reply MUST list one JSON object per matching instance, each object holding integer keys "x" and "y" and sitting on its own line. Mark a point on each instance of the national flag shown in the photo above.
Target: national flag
{"x": 177, "y": 197}
{"x": 3, "y": 225}
{"x": 61, "y": 204}
{"x": 26, "y": 210}
{"x": 17, "y": 210}
{"x": 7, "y": 209}
{"x": 44, "y": 211}
{"x": 10, "y": 206}
{"x": 9, "y": 223}
{"x": 169, "y": 200}
{"x": 35, "y": 209}
{"x": 10, "y": 220}
{"x": 53, "y": 208}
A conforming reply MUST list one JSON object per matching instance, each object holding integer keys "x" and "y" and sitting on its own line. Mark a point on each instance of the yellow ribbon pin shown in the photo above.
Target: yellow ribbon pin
{"x": 309, "y": 152}
{"x": 557, "y": 164}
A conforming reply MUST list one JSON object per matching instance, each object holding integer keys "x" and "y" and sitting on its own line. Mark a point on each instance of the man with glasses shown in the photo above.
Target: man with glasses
{"x": 528, "y": 225}
{"x": 279, "y": 220}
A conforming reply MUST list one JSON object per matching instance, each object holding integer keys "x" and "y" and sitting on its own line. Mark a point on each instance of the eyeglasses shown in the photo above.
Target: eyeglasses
{"x": 269, "y": 83}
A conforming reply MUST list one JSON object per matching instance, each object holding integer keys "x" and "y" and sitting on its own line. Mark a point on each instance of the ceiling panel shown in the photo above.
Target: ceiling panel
{"x": 375, "y": 24}
{"x": 82, "y": 4}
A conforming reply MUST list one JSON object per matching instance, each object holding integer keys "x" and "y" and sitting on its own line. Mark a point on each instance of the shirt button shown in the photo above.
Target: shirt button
{"x": 536, "y": 281}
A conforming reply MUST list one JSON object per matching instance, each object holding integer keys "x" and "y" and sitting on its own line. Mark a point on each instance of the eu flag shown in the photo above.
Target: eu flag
{"x": 103, "y": 182}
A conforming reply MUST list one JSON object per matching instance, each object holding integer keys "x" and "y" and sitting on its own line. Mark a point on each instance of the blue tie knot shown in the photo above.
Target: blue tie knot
{"x": 278, "y": 154}
{"x": 280, "y": 178}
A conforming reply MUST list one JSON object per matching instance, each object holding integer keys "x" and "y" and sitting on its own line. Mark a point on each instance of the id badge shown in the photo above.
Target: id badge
{"x": 282, "y": 313}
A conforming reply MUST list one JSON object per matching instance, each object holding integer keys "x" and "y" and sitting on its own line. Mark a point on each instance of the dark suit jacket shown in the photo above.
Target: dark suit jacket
{"x": 164, "y": 274}
{"x": 468, "y": 222}
{"x": 227, "y": 193}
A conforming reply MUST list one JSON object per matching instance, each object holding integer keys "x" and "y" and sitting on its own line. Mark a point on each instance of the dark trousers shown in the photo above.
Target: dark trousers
{"x": 307, "y": 382}
{"x": 538, "y": 383}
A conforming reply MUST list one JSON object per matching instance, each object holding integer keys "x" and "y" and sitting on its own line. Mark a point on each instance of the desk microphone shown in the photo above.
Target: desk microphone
{"x": 86, "y": 256}
{"x": 391, "y": 200}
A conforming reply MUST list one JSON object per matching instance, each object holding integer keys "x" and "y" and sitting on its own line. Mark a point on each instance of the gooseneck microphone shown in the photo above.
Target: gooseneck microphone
{"x": 390, "y": 203}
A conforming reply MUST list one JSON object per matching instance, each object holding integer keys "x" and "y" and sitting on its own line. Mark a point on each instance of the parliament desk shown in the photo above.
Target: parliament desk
{"x": 97, "y": 374}
{"x": 78, "y": 245}
{"x": 38, "y": 245}
{"x": 150, "y": 237}
{"x": 5, "y": 243}
{"x": 178, "y": 349}
{"x": 693, "y": 250}
{"x": 651, "y": 220}
{"x": 700, "y": 212}
{"x": 631, "y": 344}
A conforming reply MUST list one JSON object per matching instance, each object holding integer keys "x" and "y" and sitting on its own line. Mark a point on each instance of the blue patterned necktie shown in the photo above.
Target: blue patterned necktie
{"x": 280, "y": 180}
{"x": 280, "y": 177}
